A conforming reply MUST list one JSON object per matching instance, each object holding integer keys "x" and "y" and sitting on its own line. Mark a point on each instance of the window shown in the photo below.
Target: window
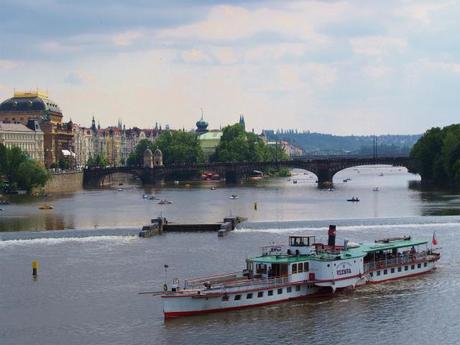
{"x": 289, "y": 289}
{"x": 225, "y": 298}
{"x": 385, "y": 271}
{"x": 372, "y": 274}
{"x": 425, "y": 264}
{"x": 305, "y": 266}
{"x": 280, "y": 291}
{"x": 249, "y": 296}
{"x": 300, "y": 267}
{"x": 378, "y": 273}
{"x": 392, "y": 270}
{"x": 260, "y": 294}
{"x": 297, "y": 288}
{"x": 237, "y": 297}
{"x": 419, "y": 266}
{"x": 412, "y": 267}
{"x": 406, "y": 268}
{"x": 270, "y": 292}
{"x": 294, "y": 268}
{"x": 399, "y": 269}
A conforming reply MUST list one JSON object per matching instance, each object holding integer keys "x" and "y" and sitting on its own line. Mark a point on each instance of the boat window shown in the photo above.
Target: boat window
{"x": 412, "y": 267}
{"x": 260, "y": 294}
{"x": 297, "y": 288}
{"x": 305, "y": 267}
{"x": 294, "y": 268}
{"x": 425, "y": 264}
{"x": 378, "y": 273}
{"x": 270, "y": 292}
{"x": 289, "y": 289}
{"x": 406, "y": 268}
{"x": 280, "y": 291}
{"x": 385, "y": 271}
{"x": 419, "y": 265}
{"x": 225, "y": 298}
{"x": 300, "y": 267}
{"x": 237, "y": 297}
{"x": 399, "y": 269}
{"x": 372, "y": 274}
{"x": 392, "y": 270}
{"x": 249, "y": 296}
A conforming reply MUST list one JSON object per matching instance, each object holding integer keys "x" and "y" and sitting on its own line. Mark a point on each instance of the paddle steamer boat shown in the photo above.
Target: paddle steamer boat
{"x": 301, "y": 269}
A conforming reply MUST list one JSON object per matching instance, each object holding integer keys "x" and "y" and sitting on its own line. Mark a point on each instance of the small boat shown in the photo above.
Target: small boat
{"x": 354, "y": 199}
{"x": 45, "y": 207}
{"x": 234, "y": 196}
{"x": 381, "y": 174}
{"x": 294, "y": 181}
{"x": 120, "y": 189}
{"x": 176, "y": 182}
{"x": 375, "y": 189}
{"x": 164, "y": 202}
{"x": 4, "y": 202}
{"x": 213, "y": 188}
{"x": 302, "y": 268}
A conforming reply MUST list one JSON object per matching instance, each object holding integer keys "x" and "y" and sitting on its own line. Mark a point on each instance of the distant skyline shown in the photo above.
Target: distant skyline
{"x": 340, "y": 67}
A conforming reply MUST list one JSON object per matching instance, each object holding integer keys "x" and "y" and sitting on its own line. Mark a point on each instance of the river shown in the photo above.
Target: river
{"x": 93, "y": 266}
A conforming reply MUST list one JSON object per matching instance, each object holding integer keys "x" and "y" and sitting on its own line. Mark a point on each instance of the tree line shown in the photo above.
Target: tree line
{"x": 19, "y": 171}
{"x": 436, "y": 156}
{"x": 236, "y": 145}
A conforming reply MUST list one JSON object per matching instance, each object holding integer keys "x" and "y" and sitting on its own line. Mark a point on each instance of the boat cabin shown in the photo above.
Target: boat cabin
{"x": 393, "y": 252}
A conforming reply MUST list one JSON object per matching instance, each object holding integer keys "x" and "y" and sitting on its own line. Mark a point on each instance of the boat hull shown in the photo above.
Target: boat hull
{"x": 176, "y": 305}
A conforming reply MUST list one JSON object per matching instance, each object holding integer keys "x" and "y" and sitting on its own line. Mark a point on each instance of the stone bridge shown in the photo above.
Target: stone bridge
{"x": 324, "y": 168}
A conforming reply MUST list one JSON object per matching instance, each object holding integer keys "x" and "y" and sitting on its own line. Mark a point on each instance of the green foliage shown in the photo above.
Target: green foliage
{"x": 237, "y": 145}
{"x": 437, "y": 155}
{"x": 177, "y": 147}
{"x": 19, "y": 170}
{"x": 97, "y": 161}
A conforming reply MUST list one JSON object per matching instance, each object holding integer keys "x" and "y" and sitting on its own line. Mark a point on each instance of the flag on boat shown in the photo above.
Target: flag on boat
{"x": 434, "y": 241}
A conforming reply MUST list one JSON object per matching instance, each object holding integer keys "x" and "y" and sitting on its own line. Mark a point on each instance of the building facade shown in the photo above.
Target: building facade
{"x": 28, "y": 138}
{"x": 25, "y": 106}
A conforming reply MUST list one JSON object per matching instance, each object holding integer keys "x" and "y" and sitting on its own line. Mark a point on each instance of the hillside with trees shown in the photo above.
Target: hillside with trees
{"x": 436, "y": 156}
{"x": 328, "y": 144}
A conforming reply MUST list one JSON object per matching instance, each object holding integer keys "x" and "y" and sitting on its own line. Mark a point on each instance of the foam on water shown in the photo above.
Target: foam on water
{"x": 61, "y": 240}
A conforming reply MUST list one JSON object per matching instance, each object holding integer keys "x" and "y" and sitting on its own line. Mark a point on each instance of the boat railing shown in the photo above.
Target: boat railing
{"x": 274, "y": 249}
{"x": 218, "y": 278}
{"x": 232, "y": 284}
{"x": 395, "y": 261}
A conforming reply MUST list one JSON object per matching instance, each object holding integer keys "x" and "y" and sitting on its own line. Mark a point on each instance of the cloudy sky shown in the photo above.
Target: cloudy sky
{"x": 340, "y": 67}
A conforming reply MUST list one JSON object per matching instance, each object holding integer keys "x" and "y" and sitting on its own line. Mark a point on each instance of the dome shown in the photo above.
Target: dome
{"x": 158, "y": 153}
{"x": 29, "y": 103}
{"x": 148, "y": 152}
{"x": 201, "y": 124}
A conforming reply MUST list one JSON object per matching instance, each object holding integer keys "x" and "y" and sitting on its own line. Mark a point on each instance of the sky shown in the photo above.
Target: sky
{"x": 341, "y": 67}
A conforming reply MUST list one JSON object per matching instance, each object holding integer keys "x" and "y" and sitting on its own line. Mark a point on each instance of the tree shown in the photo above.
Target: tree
{"x": 20, "y": 170}
{"x": 237, "y": 145}
{"x": 97, "y": 161}
{"x": 436, "y": 155}
{"x": 177, "y": 147}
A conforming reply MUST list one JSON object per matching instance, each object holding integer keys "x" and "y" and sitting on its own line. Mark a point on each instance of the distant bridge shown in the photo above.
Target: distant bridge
{"x": 323, "y": 167}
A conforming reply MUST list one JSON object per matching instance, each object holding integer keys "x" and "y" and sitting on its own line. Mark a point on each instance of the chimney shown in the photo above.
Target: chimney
{"x": 331, "y": 234}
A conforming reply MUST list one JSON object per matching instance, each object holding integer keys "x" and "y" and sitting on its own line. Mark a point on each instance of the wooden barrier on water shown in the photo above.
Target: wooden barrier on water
{"x": 160, "y": 225}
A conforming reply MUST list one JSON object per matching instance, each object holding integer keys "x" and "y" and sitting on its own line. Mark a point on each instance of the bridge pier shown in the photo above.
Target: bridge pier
{"x": 324, "y": 177}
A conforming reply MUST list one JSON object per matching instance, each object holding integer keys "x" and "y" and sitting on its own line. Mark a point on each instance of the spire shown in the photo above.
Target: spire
{"x": 241, "y": 122}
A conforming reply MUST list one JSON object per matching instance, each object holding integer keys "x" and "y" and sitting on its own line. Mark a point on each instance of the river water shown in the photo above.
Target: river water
{"x": 91, "y": 273}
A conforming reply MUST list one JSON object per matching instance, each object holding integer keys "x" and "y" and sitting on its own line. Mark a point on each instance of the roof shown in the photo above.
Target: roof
{"x": 210, "y": 136}
{"x": 14, "y": 127}
{"x": 373, "y": 247}
{"x": 356, "y": 252}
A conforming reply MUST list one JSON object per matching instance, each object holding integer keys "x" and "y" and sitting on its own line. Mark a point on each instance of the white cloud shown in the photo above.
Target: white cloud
{"x": 126, "y": 38}
{"x": 195, "y": 56}
{"x": 378, "y": 46}
{"x": 79, "y": 77}
{"x": 377, "y": 71}
{"x": 7, "y": 64}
